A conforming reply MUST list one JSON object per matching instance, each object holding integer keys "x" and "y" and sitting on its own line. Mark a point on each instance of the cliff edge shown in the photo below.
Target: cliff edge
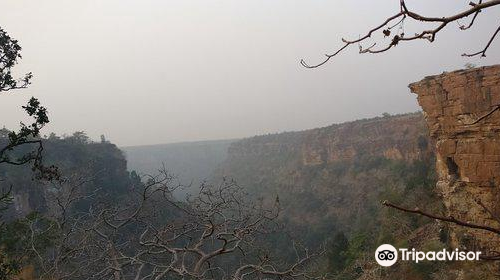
{"x": 462, "y": 110}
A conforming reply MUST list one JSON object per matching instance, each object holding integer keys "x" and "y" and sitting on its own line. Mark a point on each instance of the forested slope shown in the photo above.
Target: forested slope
{"x": 330, "y": 182}
{"x": 100, "y": 167}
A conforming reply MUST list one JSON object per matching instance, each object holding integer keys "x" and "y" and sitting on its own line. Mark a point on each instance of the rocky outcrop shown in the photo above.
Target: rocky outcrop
{"x": 462, "y": 111}
{"x": 401, "y": 137}
{"x": 77, "y": 161}
{"x": 396, "y": 138}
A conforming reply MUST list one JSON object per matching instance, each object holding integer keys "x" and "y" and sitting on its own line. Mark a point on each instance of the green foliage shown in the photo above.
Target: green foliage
{"x": 337, "y": 253}
{"x": 25, "y": 146}
{"x": 343, "y": 253}
{"x": 28, "y": 135}
{"x": 8, "y": 267}
{"x": 32, "y": 230}
{"x": 422, "y": 143}
{"x": 365, "y": 163}
{"x": 425, "y": 269}
{"x": 103, "y": 166}
{"x": 339, "y": 168}
{"x": 11, "y": 142}
{"x": 10, "y": 52}
{"x": 358, "y": 244}
{"x": 444, "y": 235}
{"x": 419, "y": 174}
{"x": 328, "y": 196}
{"x": 19, "y": 238}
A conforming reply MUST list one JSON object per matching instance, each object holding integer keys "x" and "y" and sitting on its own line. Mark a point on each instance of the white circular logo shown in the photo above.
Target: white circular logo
{"x": 386, "y": 255}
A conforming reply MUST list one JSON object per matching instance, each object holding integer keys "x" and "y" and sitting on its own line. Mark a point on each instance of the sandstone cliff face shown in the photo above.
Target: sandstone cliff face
{"x": 462, "y": 112}
{"x": 396, "y": 138}
{"x": 400, "y": 137}
{"x": 332, "y": 176}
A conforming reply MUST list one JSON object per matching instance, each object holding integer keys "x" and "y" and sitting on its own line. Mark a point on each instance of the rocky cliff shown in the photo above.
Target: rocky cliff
{"x": 98, "y": 168}
{"x": 462, "y": 110}
{"x": 397, "y": 138}
{"x": 402, "y": 137}
{"x": 333, "y": 178}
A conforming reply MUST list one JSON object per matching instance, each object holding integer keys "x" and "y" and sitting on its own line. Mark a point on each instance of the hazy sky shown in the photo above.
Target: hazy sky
{"x": 159, "y": 71}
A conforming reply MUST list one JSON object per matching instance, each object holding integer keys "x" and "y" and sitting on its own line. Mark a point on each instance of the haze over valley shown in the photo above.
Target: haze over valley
{"x": 249, "y": 140}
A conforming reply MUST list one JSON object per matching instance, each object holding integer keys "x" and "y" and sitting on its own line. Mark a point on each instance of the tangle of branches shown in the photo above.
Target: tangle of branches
{"x": 217, "y": 234}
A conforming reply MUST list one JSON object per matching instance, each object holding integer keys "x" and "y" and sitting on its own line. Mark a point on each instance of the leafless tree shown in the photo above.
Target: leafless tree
{"x": 393, "y": 28}
{"x": 218, "y": 234}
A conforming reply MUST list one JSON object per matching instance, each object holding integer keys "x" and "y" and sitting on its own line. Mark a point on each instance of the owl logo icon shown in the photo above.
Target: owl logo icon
{"x": 386, "y": 255}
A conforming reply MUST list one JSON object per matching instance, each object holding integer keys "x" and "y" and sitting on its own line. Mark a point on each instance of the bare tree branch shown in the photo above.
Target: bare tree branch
{"x": 483, "y": 52}
{"x": 400, "y": 17}
{"x": 491, "y": 256}
{"x": 449, "y": 219}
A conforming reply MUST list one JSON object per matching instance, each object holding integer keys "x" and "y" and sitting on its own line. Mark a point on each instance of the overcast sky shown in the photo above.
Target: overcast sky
{"x": 160, "y": 71}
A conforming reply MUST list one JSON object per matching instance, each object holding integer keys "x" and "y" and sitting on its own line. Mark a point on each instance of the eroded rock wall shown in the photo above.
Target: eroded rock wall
{"x": 462, "y": 110}
{"x": 401, "y": 137}
{"x": 395, "y": 138}
{"x": 335, "y": 175}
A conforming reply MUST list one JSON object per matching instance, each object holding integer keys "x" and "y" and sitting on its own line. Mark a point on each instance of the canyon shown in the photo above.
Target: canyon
{"x": 445, "y": 160}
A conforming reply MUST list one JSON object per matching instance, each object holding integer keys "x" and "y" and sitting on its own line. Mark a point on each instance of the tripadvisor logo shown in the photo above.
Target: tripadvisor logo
{"x": 387, "y": 255}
